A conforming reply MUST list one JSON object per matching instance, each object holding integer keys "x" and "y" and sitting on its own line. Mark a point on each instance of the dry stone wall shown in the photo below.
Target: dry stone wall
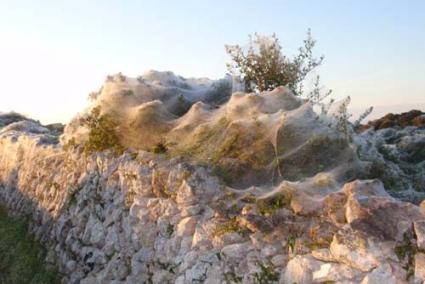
{"x": 143, "y": 218}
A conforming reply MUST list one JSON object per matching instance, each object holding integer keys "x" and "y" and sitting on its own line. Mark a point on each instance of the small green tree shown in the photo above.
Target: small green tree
{"x": 102, "y": 133}
{"x": 263, "y": 66}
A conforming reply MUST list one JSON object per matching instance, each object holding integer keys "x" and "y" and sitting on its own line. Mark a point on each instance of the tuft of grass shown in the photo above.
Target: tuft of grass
{"x": 70, "y": 144}
{"x": 230, "y": 226}
{"x": 292, "y": 241}
{"x": 268, "y": 207}
{"x": 407, "y": 250}
{"x": 170, "y": 230}
{"x": 21, "y": 257}
{"x": 133, "y": 155}
{"x": 224, "y": 174}
{"x": 159, "y": 148}
{"x": 232, "y": 277}
{"x": 266, "y": 275}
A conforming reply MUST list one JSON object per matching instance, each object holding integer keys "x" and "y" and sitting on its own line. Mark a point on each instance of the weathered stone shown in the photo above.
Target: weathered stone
{"x": 383, "y": 274}
{"x": 103, "y": 224}
{"x": 306, "y": 269}
{"x": 323, "y": 255}
{"x": 186, "y": 227}
{"x": 198, "y": 272}
{"x": 371, "y": 210}
{"x": 365, "y": 188}
{"x": 94, "y": 233}
{"x": 185, "y": 245}
{"x": 190, "y": 211}
{"x": 300, "y": 270}
{"x": 227, "y": 239}
{"x": 420, "y": 266}
{"x": 270, "y": 250}
{"x": 214, "y": 275}
{"x": 185, "y": 194}
{"x": 162, "y": 276}
{"x": 352, "y": 250}
{"x": 336, "y": 272}
{"x": 279, "y": 260}
{"x": 201, "y": 237}
{"x": 335, "y": 207}
{"x": 70, "y": 266}
{"x": 255, "y": 223}
{"x": 420, "y": 233}
{"x": 237, "y": 251}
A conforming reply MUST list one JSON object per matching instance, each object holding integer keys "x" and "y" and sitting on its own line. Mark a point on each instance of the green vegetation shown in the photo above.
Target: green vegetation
{"x": 72, "y": 199}
{"x": 266, "y": 275}
{"x": 317, "y": 154}
{"x": 269, "y": 206}
{"x": 292, "y": 241}
{"x": 133, "y": 155}
{"x": 379, "y": 169}
{"x": 224, "y": 174}
{"x": 230, "y": 226}
{"x": 342, "y": 116}
{"x": 21, "y": 258}
{"x": 102, "y": 133}
{"x": 228, "y": 148}
{"x": 129, "y": 199}
{"x": 160, "y": 148}
{"x": 407, "y": 250}
{"x": 170, "y": 230}
{"x": 232, "y": 277}
{"x": 69, "y": 144}
{"x": 387, "y": 154}
{"x": 264, "y": 67}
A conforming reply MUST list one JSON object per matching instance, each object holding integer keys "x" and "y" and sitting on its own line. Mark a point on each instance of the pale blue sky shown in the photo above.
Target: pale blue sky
{"x": 53, "y": 53}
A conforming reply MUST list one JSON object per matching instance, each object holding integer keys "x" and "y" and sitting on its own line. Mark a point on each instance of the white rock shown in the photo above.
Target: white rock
{"x": 382, "y": 274}
{"x": 237, "y": 251}
{"x": 201, "y": 238}
{"x": 188, "y": 261}
{"x": 185, "y": 194}
{"x": 279, "y": 260}
{"x": 323, "y": 255}
{"x": 180, "y": 280}
{"x": 191, "y": 210}
{"x": 420, "y": 234}
{"x": 227, "y": 239}
{"x": 300, "y": 270}
{"x": 342, "y": 251}
{"x": 94, "y": 233}
{"x": 70, "y": 266}
{"x": 270, "y": 250}
{"x": 306, "y": 269}
{"x": 186, "y": 227}
{"x": 420, "y": 266}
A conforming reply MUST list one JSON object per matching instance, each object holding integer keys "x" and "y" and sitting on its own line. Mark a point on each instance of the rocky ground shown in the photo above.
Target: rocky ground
{"x": 144, "y": 217}
{"x": 397, "y": 157}
{"x": 412, "y": 118}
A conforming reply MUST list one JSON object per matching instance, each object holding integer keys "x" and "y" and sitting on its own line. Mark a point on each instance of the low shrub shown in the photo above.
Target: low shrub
{"x": 159, "y": 148}
{"x": 102, "y": 133}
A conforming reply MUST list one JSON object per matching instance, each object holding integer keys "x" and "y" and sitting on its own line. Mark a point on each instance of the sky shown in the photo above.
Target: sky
{"x": 54, "y": 53}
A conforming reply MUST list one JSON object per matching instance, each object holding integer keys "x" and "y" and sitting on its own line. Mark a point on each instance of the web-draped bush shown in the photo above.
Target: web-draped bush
{"x": 102, "y": 133}
{"x": 264, "y": 67}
